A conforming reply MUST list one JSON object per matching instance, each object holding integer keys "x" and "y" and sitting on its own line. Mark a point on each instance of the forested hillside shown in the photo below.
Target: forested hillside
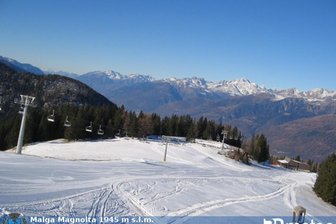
{"x": 81, "y": 113}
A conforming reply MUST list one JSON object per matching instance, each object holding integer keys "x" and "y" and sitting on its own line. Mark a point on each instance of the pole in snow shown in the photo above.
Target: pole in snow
{"x": 25, "y": 102}
{"x": 166, "y": 149}
{"x": 224, "y": 132}
{"x": 165, "y": 154}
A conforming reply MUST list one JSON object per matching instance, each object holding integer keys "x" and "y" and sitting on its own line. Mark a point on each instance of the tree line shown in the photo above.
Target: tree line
{"x": 112, "y": 120}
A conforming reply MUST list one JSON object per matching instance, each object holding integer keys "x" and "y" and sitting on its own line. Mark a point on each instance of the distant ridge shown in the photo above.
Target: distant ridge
{"x": 21, "y": 67}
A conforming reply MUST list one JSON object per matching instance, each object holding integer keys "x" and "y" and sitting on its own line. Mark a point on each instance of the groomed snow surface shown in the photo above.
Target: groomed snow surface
{"x": 127, "y": 177}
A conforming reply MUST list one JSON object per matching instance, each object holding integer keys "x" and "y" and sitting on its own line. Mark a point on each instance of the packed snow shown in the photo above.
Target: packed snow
{"x": 127, "y": 177}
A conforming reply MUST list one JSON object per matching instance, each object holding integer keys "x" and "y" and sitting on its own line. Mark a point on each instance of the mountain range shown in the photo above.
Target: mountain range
{"x": 295, "y": 122}
{"x": 239, "y": 87}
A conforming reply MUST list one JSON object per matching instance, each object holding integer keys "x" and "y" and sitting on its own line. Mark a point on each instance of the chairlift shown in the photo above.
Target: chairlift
{"x": 21, "y": 109}
{"x": 100, "y": 131}
{"x": 67, "y": 122}
{"x": 51, "y": 117}
{"x": 89, "y": 128}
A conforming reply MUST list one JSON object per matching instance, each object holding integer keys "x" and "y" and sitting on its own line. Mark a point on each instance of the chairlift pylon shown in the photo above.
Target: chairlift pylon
{"x": 67, "y": 122}
{"x": 89, "y": 128}
{"x": 100, "y": 131}
{"x": 51, "y": 117}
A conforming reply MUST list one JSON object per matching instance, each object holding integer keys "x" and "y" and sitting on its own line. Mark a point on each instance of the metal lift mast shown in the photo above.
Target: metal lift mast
{"x": 25, "y": 102}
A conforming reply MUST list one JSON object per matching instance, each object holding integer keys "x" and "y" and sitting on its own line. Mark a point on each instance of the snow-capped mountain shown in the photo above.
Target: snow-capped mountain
{"x": 194, "y": 82}
{"x": 109, "y": 74}
{"x": 244, "y": 87}
{"x": 314, "y": 95}
{"x": 237, "y": 87}
{"x": 118, "y": 76}
{"x": 319, "y": 93}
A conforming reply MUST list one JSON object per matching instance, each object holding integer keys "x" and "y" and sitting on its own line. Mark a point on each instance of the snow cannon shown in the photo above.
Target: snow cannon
{"x": 299, "y": 214}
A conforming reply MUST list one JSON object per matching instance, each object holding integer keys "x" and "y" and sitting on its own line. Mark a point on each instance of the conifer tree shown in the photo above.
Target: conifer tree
{"x": 325, "y": 185}
{"x": 259, "y": 148}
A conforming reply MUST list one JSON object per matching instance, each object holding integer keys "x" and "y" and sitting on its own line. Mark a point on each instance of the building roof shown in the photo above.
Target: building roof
{"x": 283, "y": 161}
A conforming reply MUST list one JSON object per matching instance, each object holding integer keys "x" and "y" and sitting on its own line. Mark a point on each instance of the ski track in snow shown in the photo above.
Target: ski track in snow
{"x": 136, "y": 193}
{"x": 201, "y": 208}
{"x": 97, "y": 203}
{"x": 102, "y": 200}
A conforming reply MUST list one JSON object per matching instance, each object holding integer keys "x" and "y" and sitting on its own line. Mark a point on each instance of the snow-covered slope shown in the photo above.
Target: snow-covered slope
{"x": 124, "y": 177}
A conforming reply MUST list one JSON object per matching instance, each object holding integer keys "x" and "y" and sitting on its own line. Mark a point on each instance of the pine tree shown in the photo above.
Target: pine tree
{"x": 201, "y": 126}
{"x": 252, "y": 147}
{"x": 156, "y": 122}
{"x": 325, "y": 185}
{"x": 263, "y": 148}
{"x": 259, "y": 148}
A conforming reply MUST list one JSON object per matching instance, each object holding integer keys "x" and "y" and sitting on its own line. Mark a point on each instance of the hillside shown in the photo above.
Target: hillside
{"x": 318, "y": 131}
{"x": 53, "y": 90}
{"x": 20, "y": 67}
{"x": 126, "y": 177}
{"x": 69, "y": 100}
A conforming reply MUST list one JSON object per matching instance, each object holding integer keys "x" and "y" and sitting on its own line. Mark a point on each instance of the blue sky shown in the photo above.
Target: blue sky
{"x": 276, "y": 43}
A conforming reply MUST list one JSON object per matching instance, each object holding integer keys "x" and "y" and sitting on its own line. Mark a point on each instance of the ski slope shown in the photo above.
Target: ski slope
{"x": 126, "y": 177}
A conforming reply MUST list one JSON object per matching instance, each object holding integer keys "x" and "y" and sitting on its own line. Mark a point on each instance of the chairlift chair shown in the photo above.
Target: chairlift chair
{"x": 67, "y": 122}
{"x": 100, "y": 131}
{"x": 51, "y": 117}
{"x": 21, "y": 109}
{"x": 89, "y": 128}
